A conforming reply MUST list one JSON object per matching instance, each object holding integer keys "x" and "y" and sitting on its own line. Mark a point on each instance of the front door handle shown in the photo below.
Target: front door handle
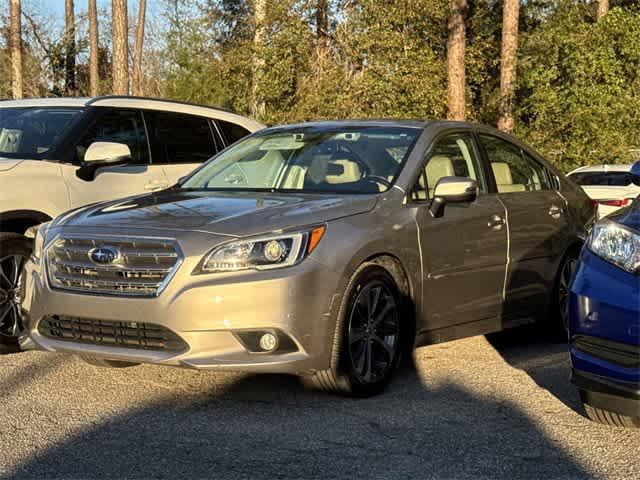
{"x": 555, "y": 211}
{"x": 496, "y": 222}
{"x": 156, "y": 185}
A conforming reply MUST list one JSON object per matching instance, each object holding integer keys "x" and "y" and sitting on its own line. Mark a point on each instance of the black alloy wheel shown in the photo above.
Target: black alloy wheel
{"x": 15, "y": 249}
{"x": 10, "y": 295}
{"x": 373, "y": 333}
{"x": 564, "y": 283}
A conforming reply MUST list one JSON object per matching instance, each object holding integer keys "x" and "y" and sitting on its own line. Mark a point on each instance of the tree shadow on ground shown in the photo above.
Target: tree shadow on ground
{"x": 269, "y": 426}
{"x": 543, "y": 356}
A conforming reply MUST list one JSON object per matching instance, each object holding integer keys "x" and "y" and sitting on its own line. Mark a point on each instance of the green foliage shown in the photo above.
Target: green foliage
{"x": 580, "y": 86}
{"x": 578, "y": 93}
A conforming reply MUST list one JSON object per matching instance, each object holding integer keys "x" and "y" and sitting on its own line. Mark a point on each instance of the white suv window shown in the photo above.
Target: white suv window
{"x": 29, "y": 132}
{"x": 120, "y": 126}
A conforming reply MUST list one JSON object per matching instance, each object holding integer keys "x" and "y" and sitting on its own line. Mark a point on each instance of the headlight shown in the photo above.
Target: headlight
{"x": 262, "y": 253}
{"x": 38, "y": 242}
{"x": 616, "y": 244}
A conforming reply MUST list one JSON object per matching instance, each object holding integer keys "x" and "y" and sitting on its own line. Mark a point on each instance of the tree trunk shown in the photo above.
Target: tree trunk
{"x": 16, "y": 48}
{"x": 120, "y": 62}
{"x": 259, "y": 18}
{"x": 322, "y": 23}
{"x": 69, "y": 49}
{"x": 508, "y": 63}
{"x": 602, "y": 9}
{"x": 137, "y": 65}
{"x": 94, "y": 75}
{"x": 456, "y": 97}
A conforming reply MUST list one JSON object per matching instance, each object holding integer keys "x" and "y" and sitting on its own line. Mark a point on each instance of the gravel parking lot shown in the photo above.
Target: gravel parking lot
{"x": 497, "y": 407}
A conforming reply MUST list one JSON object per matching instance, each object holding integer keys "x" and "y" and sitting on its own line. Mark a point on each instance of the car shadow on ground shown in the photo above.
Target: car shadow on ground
{"x": 270, "y": 426}
{"x": 543, "y": 356}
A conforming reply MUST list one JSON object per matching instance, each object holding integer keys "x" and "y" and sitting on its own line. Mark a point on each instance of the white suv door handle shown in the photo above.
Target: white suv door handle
{"x": 156, "y": 185}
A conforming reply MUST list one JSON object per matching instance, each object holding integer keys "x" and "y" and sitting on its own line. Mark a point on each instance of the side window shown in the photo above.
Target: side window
{"x": 232, "y": 132}
{"x": 452, "y": 155}
{"x": 542, "y": 177}
{"x": 120, "y": 126}
{"x": 514, "y": 170}
{"x": 179, "y": 138}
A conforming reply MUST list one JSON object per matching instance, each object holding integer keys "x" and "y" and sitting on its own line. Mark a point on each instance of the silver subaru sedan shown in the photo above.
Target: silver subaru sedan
{"x": 327, "y": 250}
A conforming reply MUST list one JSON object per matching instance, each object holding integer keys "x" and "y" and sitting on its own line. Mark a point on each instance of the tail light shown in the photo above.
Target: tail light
{"x": 616, "y": 203}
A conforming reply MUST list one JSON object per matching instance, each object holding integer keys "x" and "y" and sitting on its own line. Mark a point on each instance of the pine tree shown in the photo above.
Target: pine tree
{"x": 120, "y": 47}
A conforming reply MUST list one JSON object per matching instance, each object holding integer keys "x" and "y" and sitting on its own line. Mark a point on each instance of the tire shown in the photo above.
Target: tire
{"x": 104, "y": 363}
{"x": 557, "y": 323}
{"x": 15, "y": 249}
{"x": 352, "y": 375}
{"x": 606, "y": 417}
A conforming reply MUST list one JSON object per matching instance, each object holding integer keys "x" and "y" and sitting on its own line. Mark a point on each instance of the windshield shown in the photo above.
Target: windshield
{"x": 601, "y": 179}
{"x": 337, "y": 160}
{"x": 30, "y": 132}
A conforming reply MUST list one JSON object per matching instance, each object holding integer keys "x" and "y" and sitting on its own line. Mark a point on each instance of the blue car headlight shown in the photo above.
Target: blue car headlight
{"x": 617, "y": 244}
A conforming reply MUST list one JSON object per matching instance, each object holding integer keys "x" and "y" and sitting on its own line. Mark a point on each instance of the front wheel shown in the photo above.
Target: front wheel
{"x": 606, "y": 417}
{"x": 370, "y": 336}
{"x": 14, "y": 252}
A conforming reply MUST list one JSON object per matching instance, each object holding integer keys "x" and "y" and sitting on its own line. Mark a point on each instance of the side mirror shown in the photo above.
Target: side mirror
{"x": 452, "y": 190}
{"x": 102, "y": 154}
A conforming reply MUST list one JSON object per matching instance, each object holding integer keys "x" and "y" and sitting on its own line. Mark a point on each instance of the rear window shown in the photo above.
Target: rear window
{"x": 610, "y": 179}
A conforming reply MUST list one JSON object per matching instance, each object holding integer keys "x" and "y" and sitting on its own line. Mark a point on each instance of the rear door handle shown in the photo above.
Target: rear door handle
{"x": 555, "y": 211}
{"x": 496, "y": 222}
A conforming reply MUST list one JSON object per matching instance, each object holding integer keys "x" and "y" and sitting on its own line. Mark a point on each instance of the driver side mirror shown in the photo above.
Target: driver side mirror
{"x": 102, "y": 154}
{"x": 452, "y": 190}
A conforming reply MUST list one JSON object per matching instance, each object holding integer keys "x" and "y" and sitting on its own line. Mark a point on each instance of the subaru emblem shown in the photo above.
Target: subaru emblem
{"x": 104, "y": 255}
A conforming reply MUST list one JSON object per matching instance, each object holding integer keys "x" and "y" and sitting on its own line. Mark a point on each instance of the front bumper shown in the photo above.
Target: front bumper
{"x": 605, "y": 335}
{"x": 207, "y": 312}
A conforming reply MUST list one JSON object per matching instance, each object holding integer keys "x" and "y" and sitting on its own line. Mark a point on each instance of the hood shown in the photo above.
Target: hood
{"x": 8, "y": 163}
{"x": 629, "y": 216}
{"x": 220, "y": 213}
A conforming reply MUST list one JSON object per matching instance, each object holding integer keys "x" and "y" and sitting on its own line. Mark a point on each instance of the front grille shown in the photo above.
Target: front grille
{"x": 136, "y": 335}
{"x": 623, "y": 354}
{"x": 140, "y": 268}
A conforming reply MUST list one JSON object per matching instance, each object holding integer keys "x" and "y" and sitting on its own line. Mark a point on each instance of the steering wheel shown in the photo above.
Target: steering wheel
{"x": 378, "y": 179}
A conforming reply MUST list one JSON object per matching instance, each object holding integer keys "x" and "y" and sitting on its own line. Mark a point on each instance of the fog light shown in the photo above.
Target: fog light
{"x": 268, "y": 342}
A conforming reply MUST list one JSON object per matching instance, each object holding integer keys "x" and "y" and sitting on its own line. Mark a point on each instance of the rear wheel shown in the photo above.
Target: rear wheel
{"x": 14, "y": 252}
{"x": 606, "y": 417}
{"x": 370, "y": 336}
{"x": 105, "y": 363}
{"x": 557, "y": 323}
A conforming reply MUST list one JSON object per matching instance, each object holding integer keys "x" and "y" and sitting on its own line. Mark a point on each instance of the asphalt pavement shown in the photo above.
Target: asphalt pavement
{"x": 497, "y": 407}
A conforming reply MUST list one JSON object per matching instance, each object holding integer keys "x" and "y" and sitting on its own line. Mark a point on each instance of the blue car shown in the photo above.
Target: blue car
{"x": 604, "y": 320}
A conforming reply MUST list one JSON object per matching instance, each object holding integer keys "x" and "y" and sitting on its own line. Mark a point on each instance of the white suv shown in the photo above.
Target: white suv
{"x": 58, "y": 154}
{"x": 611, "y": 187}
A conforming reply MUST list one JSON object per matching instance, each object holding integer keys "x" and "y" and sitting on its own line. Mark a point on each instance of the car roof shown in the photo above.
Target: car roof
{"x": 601, "y": 168}
{"x": 138, "y": 102}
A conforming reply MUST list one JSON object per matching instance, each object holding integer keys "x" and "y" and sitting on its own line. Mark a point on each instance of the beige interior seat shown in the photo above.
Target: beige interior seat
{"x": 439, "y": 166}
{"x": 295, "y": 177}
{"x": 351, "y": 171}
{"x": 504, "y": 179}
